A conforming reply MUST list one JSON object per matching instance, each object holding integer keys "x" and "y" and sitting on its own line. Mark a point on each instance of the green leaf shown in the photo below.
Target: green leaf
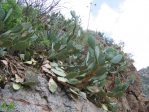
{"x": 131, "y": 79}
{"x": 93, "y": 89}
{"x": 26, "y": 26}
{"x": 2, "y": 25}
{"x": 102, "y": 83}
{"x": 72, "y": 75}
{"x": 59, "y": 69}
{"x": 52, "y": 85}
{"x": 110, "y": 53}
{"x": 3, "y": 105}
{"x": 123, "y": 66}
{"x": 83, "y": 95}
{"x": 29, "y": 83}
{"x": 91, "y": 52}
{"x": 8, "y": 14}
{"x": 102, "y": 93}
{"x": 87, "y": 58}
{"x": 102, "y": 70}
{"x": 125, "y": 86}
{"x": 91, "y": 42}
{"x": 118, "y": 87}
{"x": 117, "y": 81}
{"x": 102, "y": 77}
{"x": 119, "y": 93}
{"x": 97, "y": 53}
{"x": 101, "y": 58}
{"x": 17, "y": 28}
{"x": 91, "y": 57}
{"x": 73, "y": 14}
{"x": 58, "y": 72}
{"x": 114, "y": 106}
{"x": 117, "y": 59}
{"x": 91, "y": 66}
{"x": 2, "y": 13}
{"x": 53, "y": 64}
{"x": 73, "y": 81}
{"x": 2, "y": 52}
{"x": 110, "y": 94}
{"x": 6, "y": 42}
{"x": 11, "y": 106}
{"x": 21, "y": 45}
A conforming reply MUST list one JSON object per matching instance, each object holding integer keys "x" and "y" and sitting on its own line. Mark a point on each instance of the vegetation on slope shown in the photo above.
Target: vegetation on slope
{"x": 83, "y": 63}
{"x": 145, "y": 77}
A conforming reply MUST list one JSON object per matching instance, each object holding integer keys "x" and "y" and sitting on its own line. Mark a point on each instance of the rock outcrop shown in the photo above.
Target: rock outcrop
{"x": 134, "y": 101}
{"x": 144, "y": 74}
{"x": 39, "y": 99}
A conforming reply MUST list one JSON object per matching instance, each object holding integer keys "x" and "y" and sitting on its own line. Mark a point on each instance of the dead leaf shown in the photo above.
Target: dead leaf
{"x": 22, "y": 56}
{"x": 5, "y": 62}
{"x": 46, "y": 62}
{"x": 28, "y": 62}
{"x": 18, "y": 79}
{"x": 16, "y": 86}
{"x": 31, "y": 62}
{"x": 104, "y": 107}
{"x": 44, "y": 69}
{"x": 74, "y": 91}
{"x": 47, "y": 66}
{"x": 60, "y": 62}
{"x": 62, "y": 79}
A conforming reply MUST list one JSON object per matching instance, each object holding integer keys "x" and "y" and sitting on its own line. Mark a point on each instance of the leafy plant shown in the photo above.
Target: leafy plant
{"x": 73, "y": 57}
{"x": 11, "y": 14}
{"x": 7, "y": 107}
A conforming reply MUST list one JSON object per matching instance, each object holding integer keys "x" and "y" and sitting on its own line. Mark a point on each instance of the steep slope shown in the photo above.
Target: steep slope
{"x": 39, "y": 99}
{"x": 144, "y": 73}
{"x": 134, "y": 96}
{"x": 48, "y": 63}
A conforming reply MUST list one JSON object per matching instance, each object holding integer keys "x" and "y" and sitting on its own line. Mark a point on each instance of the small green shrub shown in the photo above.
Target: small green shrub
{"x": 7, "y": 107}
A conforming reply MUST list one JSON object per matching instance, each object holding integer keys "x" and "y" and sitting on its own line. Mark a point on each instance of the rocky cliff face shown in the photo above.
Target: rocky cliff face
{"x": 38, "y": 98}
{"x": 135, "y": 100}
{"x": 144, "y": 74}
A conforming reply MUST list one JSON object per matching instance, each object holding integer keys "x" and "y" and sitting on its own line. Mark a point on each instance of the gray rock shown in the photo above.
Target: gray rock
{"x": 40, "y": 99}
